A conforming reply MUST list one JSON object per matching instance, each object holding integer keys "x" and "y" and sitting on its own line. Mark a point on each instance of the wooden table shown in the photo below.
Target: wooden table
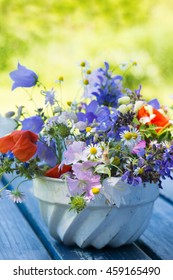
{"x": 23, "y": 235}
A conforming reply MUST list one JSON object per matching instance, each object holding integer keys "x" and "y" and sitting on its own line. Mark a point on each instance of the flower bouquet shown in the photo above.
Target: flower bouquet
{"x": 89, "y": 158}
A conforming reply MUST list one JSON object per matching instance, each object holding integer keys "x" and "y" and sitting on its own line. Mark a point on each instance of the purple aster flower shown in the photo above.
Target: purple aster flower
{"x": 23, "y": 77}
{"x": 15, "y": 195}
{"x": 34, "y": 124}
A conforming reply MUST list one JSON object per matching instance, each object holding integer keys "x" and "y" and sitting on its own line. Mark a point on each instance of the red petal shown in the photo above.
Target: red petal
{"x": 56, "y": 172}
{"x": 6, "y": 143}
{"x": 25, "y": 147}
{"x": 159, "y": 120}
{"x": 53, "y": 172}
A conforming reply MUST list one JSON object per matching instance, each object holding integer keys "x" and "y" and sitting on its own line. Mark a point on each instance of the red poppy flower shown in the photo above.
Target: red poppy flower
{"x": 56, "y": 172}
{"x": 21, "y": 142}
{"x": 149, "y": 115}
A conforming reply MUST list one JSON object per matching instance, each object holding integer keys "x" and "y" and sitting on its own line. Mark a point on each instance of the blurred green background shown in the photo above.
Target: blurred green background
{"x": 51, "y": 37}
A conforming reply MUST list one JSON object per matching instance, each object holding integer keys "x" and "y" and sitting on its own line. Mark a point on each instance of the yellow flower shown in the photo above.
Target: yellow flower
{"x": 95, "y": 190}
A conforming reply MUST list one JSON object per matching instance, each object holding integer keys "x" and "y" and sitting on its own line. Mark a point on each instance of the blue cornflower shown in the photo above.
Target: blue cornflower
{"x": 23, "y": 77}
{"x": 34, "y": 124}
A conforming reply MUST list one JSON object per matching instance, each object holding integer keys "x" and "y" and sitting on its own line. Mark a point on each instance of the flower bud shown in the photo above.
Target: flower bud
{"x": 123, "y": 109}
{"x": 124, "y": 100}
{"x": 9, "y": 114}
{"x": 63, "y": 130}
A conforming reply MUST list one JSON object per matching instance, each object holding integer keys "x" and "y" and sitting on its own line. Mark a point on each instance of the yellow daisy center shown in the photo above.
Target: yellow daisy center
{"x": 141, "y": 171}
{"x": 61, "y": 79}
{"x": 134, "y": 135}
{"x": 93, "y": 150}
{"x": 83, "y": 64}
{"x": 88, "y": 129}
{"x": 95, "y": 190}
{"x": 69, "y": 103}
{"x": 128, "y": 135}
{"x": 88, "y": 72}
{"x": 85, "y": 82}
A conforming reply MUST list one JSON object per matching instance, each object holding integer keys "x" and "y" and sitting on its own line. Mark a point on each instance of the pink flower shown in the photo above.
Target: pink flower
{"x": 84, "y": 184}
{"x": 139, "y": 149}
{"x": 83, "y": 169}
{"x": 75, "y": 153}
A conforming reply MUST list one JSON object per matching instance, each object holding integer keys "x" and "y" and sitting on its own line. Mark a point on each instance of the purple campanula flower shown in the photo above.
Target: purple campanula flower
{"x": 23, "y": 77}
{"x": 90, "y": 112}
{"x": 34, "y": 124}
{"x": 46, "y": 153}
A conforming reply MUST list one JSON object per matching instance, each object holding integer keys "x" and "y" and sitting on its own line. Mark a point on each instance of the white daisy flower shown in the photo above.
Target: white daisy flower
{"x": 94, "y": 151}
{"x": 130, "y": 138}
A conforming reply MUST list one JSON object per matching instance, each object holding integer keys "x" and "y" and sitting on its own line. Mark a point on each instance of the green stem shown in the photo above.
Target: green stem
{"x": 8, "y": 183}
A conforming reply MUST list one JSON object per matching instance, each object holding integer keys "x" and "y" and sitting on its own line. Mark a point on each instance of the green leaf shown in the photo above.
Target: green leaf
{"x": 103, "y": 169}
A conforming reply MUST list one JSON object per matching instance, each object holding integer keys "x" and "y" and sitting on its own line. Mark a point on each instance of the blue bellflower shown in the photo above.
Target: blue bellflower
{"x": 23, "y": 77}
{"x": 34, "y": 124}
{"x": 46, "y": 153}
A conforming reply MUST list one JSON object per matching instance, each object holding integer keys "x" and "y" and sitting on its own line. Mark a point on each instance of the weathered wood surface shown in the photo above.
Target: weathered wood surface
{"x": 17, "y": 239}
{"x": 29, "y": 238}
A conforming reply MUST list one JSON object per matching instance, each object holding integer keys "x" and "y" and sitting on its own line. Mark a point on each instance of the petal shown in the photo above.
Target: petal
{"x": 56, "y": 171}
{"x": 159, "y": 120}
{"x": 6, "y": 143}
{"x": 25, "y": 146}
{"x": 53, "y": 172}
{"x": 33, "y": 124}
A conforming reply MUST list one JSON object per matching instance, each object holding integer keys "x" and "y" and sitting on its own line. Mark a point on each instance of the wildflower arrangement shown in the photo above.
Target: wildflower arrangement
{"x": 112, "y": 131}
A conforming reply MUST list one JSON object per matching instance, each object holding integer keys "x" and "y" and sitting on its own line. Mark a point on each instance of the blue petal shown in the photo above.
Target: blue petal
{"x": 34, "y": 124}
{"x": 46, "y": 154}
{"x": 23, "y": 77}
{"x": 154, "y": 103}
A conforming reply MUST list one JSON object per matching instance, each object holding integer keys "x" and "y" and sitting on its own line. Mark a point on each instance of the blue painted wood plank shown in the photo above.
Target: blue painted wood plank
{"x": 159, "y": 234}
{"x": 17, "y": 239}
{"x": 167, "y": 191}
{"x": 125, "y": 252}
{"x": 128, "y": 252}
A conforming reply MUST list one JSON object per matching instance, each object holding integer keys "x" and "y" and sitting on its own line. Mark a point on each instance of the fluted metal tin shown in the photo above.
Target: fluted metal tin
{"x": 118, "y": 215}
